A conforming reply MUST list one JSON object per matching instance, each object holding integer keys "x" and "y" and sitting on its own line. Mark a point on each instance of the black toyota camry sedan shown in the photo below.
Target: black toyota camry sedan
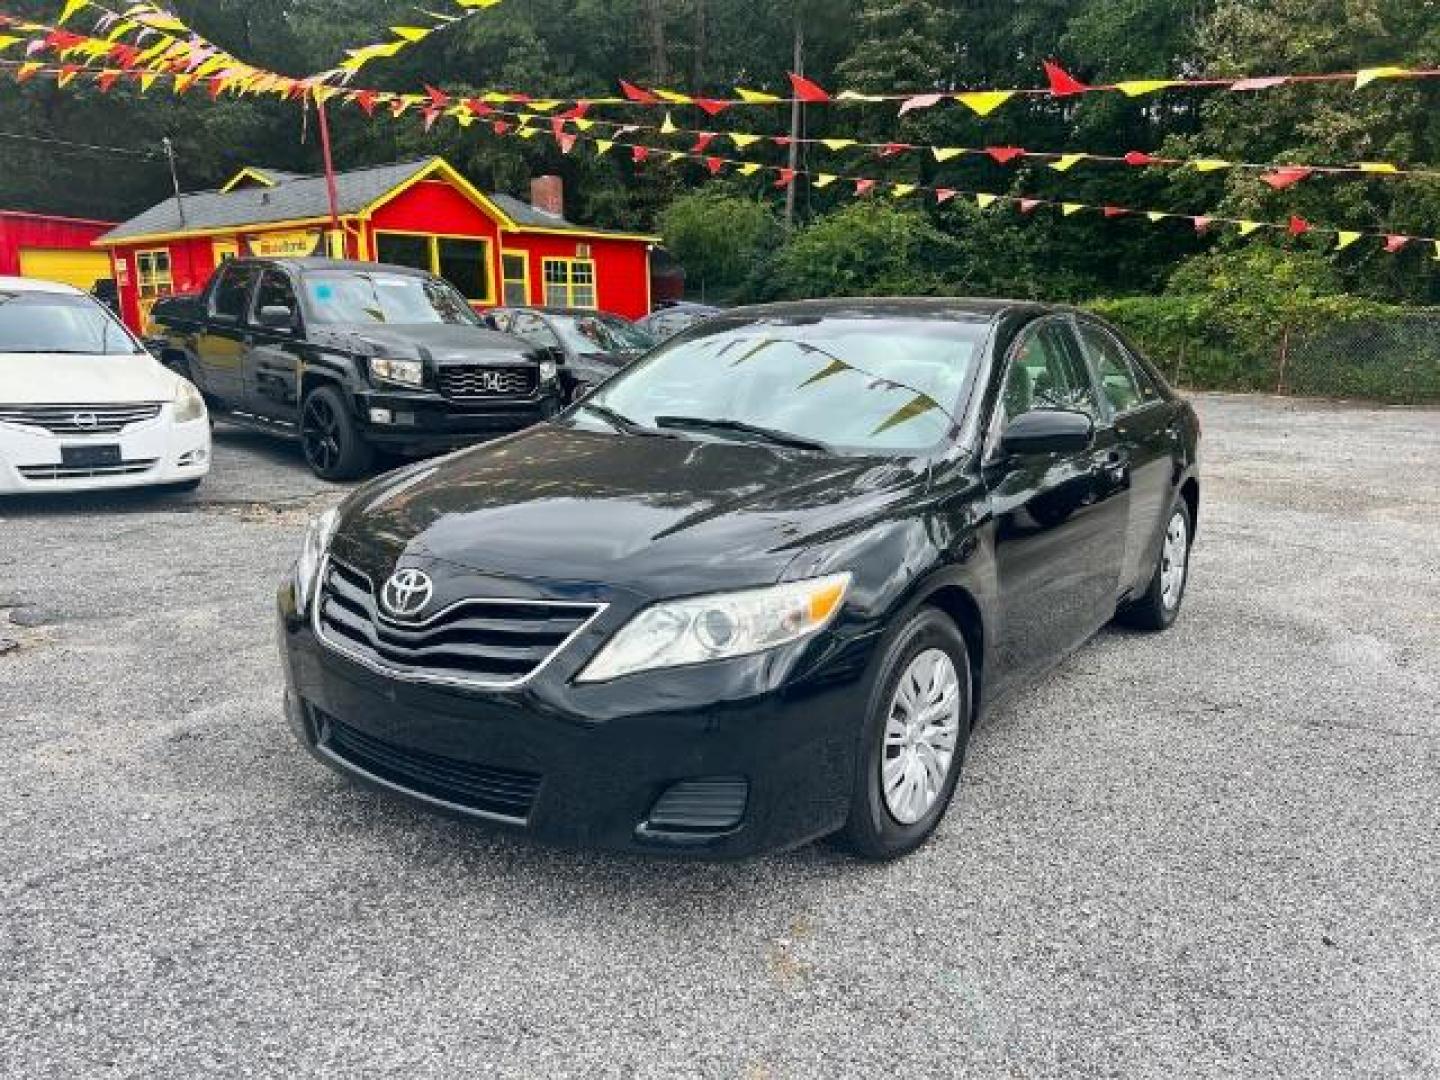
{"x": 758, "y": 588}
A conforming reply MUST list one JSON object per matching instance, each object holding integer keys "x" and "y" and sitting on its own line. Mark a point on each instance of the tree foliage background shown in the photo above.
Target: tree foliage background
{"x": 729, "y": 228}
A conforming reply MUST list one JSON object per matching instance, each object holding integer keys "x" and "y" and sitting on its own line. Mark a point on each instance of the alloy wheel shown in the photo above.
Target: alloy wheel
{"x": 320, "y": 434}
{"x": 1173, "y": 558}
{"x": 922, "y": 729}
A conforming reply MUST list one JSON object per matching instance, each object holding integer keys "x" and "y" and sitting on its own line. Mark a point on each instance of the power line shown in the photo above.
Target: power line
{"x": 84, "y": 147}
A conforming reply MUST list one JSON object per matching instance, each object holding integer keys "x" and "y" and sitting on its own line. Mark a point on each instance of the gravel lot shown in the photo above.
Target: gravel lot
{"x": 1208, "y": 853}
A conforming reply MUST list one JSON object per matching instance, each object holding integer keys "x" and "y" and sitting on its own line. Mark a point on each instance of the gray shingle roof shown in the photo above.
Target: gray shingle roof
{"x": 295, "y": 198}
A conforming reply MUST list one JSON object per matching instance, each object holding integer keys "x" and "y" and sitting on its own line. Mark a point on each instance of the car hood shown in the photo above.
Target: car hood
{"x": 655, "y": 517}
{"x": 59, "y": 379}
{"x": 439, "y": 343}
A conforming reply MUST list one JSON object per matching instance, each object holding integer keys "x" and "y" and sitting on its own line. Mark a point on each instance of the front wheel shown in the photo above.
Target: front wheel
{"x": 331, "y": 441}
{"x": 913, "y": 744}
{"x": 1159, "y": 607}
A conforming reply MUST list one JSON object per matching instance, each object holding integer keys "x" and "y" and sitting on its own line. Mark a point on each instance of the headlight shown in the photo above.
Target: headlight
{"x": 719, "y": 626}
{"x": 312, "y": 554}
{"x": 548, "y": 370}
{"x": 404, "y": 372}
{"x": 189, "y": 405}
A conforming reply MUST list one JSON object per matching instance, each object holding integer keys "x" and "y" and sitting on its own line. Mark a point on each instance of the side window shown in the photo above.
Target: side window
{"x": 275, "y": 291}
{"x": 1045, "y": 373}
{"x": 1114, "y": 368}
{"x": 231, "y": 294}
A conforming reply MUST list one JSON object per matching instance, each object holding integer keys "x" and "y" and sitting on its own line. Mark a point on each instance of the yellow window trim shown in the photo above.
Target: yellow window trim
{"x": 506, "y": 280}
{"x": 570, "y": 262}
{"x": 444, "y": 170}
{"x": 227, "y": 230}
{"x": 220, "y": 249}
{"x": 153, "y": 280}
{"x": 434, "y": 245}
{"x": 247, "y": 173}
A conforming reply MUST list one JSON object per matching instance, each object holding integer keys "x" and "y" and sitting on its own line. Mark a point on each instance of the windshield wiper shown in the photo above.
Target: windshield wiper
{"x": 621, "y": 423}
{"x": 740, "y": 427}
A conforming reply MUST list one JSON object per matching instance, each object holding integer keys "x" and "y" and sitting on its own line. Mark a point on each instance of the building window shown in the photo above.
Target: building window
{"x": 516, "y": 268}
{"x": 462, "y": 261}
{"x": 570, "y": 283}
{"x": 152, "y": 273}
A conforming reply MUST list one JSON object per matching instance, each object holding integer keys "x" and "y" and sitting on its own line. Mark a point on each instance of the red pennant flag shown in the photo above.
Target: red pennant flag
{"x": 557, "y": 127}
{"x": 714, "y": 164}
{"x": 944, "y": 194}
{"x": 431, "y": 115}
{"x": 894, "y": 149}
{"x": 577, "y": 112}
{"x": 1115, "y": 211}
{"x": 864, "y": 187}
{"x": 519, "y": 98}
{"x": 712, "y": 107}
{"x": 1027, "y": 205}
{"x": 634, "y": 93}
{"x": 500, "y": 127}
{"x": 60, "y": 40}
{"x": 639, "y": 153}
{"x": 106, "y": 80}
{"x": 1298, "y": 225}
{"x": 217, "y": 86}
{"x": 1201, "y": 224}
{"x": 705, "y": 139}
{"x": 1139, "y": 160}
{"x": 367, "y": 100}
{"x": 787, "y": 177}
{"x": 1281, "y": 179}
{"x": 476, "y": 107}
{"x": 806, "y": 90}
{"x": 124, "y": 55}
{"x": 1395, "y": 243}
{"x": 1267, "y": 83}
{"x": 566, "y": 139}
{"x": 781, "y": 140}
{"x": 1005, "y": 154}
{"x": 1062, "y": 83}
{"x": 438, "y": 98}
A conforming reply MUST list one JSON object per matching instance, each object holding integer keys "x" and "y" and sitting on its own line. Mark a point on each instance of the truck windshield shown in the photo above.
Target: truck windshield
{"x": 852, "y": 383}
{"x": 397, "y": 299}
{"x": 61, "y": 324}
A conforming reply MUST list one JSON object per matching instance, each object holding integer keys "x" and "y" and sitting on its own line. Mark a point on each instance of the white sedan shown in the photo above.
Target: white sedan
{"x": 83, "y": 406}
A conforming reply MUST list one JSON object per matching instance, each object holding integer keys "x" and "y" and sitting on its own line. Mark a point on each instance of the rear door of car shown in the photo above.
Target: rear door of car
{"x": 1146, "y": 426}
{"x": 273, "y": 353}
{"x": 221, "y": 343}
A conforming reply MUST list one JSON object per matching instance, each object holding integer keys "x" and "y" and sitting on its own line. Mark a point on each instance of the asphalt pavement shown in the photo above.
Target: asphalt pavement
{"x": 1207, "y": 853}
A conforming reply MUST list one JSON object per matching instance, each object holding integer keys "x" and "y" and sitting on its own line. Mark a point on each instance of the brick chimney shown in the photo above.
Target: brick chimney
{"x": 547, "y": 193}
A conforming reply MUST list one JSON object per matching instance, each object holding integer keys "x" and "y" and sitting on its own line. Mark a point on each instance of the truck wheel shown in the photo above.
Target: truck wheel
{"x": 332, "y": 443}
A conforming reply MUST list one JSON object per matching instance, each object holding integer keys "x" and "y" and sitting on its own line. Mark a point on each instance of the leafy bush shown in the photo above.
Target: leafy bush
{"x": 719, "y": 239}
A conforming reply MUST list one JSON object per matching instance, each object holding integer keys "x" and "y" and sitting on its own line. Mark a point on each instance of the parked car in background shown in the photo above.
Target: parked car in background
{"x": 590, "y": 345}
{"x": 353, "y": 358}
{"x": 668, "y": 321}
{"x": 757, "y": 588}
{"x": 83, "y": 406}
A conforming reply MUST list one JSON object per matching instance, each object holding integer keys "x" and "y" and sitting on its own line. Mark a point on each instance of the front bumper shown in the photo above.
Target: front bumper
{"x": 426, "y": 420}
{"x": 592, "y": 762}
{"x": 157, "y": 451}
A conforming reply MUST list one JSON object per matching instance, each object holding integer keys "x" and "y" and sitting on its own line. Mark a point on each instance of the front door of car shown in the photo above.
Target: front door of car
{"x": 221, "y": 346}
{"x": 1145, "y": 424}
{"x": 1059, "y": 519}
{"x": 273, "y": 356}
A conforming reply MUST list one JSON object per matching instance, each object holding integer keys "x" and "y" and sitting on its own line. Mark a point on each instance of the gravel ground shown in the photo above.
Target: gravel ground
{"x": 1207, "y": 853}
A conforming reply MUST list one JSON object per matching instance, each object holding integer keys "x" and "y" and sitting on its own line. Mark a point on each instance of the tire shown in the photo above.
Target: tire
{"x": 332, "y": 444}
{"x": 884, "y": 824}
{"x": 1159, "y": 607}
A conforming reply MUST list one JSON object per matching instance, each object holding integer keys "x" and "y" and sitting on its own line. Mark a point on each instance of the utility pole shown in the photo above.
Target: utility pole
{"x": 330, "y": 189}
{"x": 175, "y": 181}
{"x": 796, "y": 118}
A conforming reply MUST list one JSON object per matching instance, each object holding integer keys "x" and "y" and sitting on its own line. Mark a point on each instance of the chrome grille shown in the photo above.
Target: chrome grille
{"x": 86, "y": 472}
{"x": 80, "y": 419}
{"x": 479, "y": 642}
{"x": 471, "y": 382}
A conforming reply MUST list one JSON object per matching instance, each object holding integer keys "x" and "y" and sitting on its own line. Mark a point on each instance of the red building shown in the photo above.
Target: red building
{"x": 494, "y": 248}
{"x": 53, "y": 248}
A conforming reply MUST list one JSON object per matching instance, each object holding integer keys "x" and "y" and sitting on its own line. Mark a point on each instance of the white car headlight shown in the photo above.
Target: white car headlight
{"x": 312, "y": 554}
{"x": 719, "y": 626}
{"x": 189, "y": 405}
{"x": 548, "y": 370}
{"x": 404, "y": 372}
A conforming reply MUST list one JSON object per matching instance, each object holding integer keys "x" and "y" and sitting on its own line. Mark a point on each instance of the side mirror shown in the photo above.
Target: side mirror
{"x": 1048, "y": 431}
{"x": 277, "y": 317}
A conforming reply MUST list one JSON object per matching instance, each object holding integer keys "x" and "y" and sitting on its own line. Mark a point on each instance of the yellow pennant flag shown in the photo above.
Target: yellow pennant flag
{"x": 984, "y": 102}
{"x": 463, "y": 116}
{"x": 544, "y": 105}
{"x": 1210, "y": 164}
{"x": 71, "y": 7}
{"x": 757, "y": 97}
{"x": 1140, "y": 87}
{"x": 147, "y": 80}
{"x": 676, "y": 155}
{"x": 945, "y": 153}
{"x": 602, "y": 146}
{"x": 1248, "y": 227}
{"x": 411, "y": 33}
{"x": 1071, "y": 208}
{"x": 750, "y": 168}
{"x": 1437, "y": 250}
{"x": 6, "y": 40}
{"x": 825, "y": 179}
{"x": 1377, "y": 167}
{"x": 183, "y": 83}
{"x": 855, "y": 95}
{"x": 836, "y": 144}
{"x": 674, "y": 97}
{"x": 1067, "y": 162}
{"x": 986, "y": 201}
{"x": 65, "y": 78}
{"x": 1368, "y": 75}
{"x": 668, "y": 127}
{"x": 742, "y": 140}
{"x": 899, "y": 191}
{"x": 1156, "y": 215}
{"x": 1344, "y": 239}
{"x": 527, "y": 132}
{"x": 477, "y": 3}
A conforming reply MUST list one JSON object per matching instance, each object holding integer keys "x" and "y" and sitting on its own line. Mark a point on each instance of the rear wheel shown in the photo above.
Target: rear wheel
{"x": 331, "y": 441}
{"x": 913, "y": 744}
{"x": 1159, "y": 607}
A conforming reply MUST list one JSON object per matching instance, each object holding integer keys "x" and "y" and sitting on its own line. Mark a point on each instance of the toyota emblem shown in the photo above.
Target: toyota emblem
{"x": 407, "y": 592}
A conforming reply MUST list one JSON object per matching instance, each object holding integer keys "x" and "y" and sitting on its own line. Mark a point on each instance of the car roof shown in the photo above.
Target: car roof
{"x": 569, "y": 312}
{"x": 967, "y": 309}
{"x": 311, "y": 264}
{"x": 35, "y": 285}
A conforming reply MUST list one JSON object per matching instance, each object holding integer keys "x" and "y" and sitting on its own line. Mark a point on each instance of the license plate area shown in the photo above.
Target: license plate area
{"x": 90, "y": 457}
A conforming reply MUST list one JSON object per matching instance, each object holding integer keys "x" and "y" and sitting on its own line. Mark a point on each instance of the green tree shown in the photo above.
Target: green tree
{"x": 865, "y": 249}
{"x": 718, "y": 238}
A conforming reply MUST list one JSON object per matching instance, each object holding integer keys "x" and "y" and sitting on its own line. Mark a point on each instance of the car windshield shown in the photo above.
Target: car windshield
{"x": 62, "y": 323}
{"x": 602, "y": 332}
{"x": 350, "y": 299}
{"x": 851, "y": 383}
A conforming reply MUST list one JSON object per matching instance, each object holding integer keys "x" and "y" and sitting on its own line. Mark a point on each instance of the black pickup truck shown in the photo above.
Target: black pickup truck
{"x": 352, "y": 358}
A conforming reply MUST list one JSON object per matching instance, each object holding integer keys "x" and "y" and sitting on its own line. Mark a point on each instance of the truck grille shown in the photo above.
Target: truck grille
{"x": 86, "y": 472}
{"x": 490, "y": 643}
{"x": 80, "y": 419}
{"x": 471, "y": 382}
{"x": 502, "y": 793}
